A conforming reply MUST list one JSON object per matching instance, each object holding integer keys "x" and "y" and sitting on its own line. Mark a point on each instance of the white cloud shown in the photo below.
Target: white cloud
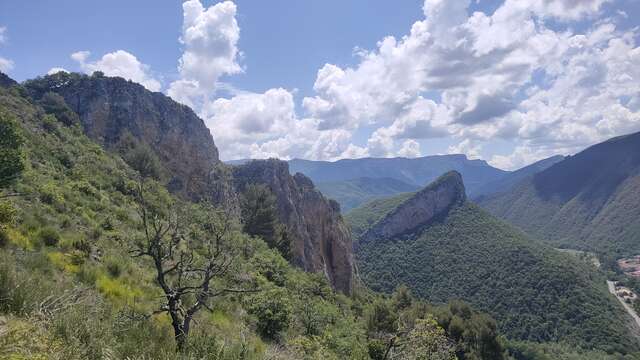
{"x": 119, "y": 63}
{"x": 6, "y": 65}
{"x": 55, "y": 70}
{"x": 476, "y": 77}
{"x": 467, "y": 147}
{"x": 410, "y": 149}
{"x": 210, "y": 37}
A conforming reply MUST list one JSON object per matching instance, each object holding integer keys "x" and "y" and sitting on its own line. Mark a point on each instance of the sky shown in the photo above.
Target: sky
{"x": 507, "y": 81}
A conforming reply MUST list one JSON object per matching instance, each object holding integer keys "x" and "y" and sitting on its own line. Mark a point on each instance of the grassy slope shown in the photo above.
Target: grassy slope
{"x": 71, "y": 185}
{"x": 534, "y": 292}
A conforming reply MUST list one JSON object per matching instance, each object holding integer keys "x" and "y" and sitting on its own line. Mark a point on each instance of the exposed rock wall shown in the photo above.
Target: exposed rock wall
{"x": 321, "y": 241}
{"x": 108, "y": 107}
{"x": 424, "y": 207}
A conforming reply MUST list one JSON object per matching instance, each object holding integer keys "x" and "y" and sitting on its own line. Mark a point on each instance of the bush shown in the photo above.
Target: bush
{"x": 272, "y": 308}
{"x": 113, "y": 268}
{"x": 49, "y": 236}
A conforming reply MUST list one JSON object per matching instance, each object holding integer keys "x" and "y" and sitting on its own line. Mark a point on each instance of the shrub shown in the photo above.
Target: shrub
{"x": 113, "y": 268}
{"x": 377, "y": 349}
{"x": 7, "y": 213}
{"x": 272, "y": 309}
{"x": 49, "y": 236}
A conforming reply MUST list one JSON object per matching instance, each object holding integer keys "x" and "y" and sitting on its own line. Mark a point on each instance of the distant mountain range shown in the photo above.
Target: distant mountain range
{"x": 442, "y": 246}
{"x": 353, "y": 182}
{"x": 589, "y": 201}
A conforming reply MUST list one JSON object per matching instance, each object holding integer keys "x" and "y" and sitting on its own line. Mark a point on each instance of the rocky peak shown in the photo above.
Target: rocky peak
{"x": 427, "y": 205}
{"x": 109, "y": 107}
{"x": 321, "y": 241}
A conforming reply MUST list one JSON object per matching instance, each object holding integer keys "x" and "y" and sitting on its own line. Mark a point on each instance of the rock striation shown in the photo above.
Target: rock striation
{"x": 427, "y": 205}
{"x": 109, "y": 107}
{"x": 321, "y": 242}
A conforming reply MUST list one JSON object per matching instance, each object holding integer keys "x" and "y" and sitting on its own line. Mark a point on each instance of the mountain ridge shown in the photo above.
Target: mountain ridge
{"x": 587, "y": 201}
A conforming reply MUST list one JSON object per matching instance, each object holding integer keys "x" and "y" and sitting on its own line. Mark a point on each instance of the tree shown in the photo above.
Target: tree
{"x": 11, "y": 142}
{"x": 260, "y": 218}
{"x": 54, "y": 104}
{"x": 140, "y": 157}
{"x": 192, "y": 255}
{"x": 426, "y": 341}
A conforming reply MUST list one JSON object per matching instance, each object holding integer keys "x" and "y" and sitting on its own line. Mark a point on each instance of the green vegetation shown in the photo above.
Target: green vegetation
{"x": 260, "y": 218}
{"x": 535, "y": 293}
{"x": 71, "y": 289}
{"x": 363, "y": 217}
{"x": 354, "y": 192}
{"x": 586, "y": 202}
{"x": 11, "y": 164}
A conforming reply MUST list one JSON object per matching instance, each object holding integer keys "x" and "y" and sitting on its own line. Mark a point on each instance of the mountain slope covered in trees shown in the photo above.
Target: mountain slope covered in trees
{"x": 589, "y": 201}
{"x": 460, "y": 251}
{"x": 79, "y": 260}
{"x": 417, "y": 171}
{"x": 352, "y": 193}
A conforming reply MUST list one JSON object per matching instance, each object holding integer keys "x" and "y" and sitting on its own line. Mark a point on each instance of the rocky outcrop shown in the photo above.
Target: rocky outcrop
{"x": 109, "y": 107}
{"x": 321, "y": 241}
{"x": 427, "y": 205}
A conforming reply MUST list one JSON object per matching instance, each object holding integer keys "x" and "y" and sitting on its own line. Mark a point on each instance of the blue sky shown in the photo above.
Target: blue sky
{"x": 507, "y": 81}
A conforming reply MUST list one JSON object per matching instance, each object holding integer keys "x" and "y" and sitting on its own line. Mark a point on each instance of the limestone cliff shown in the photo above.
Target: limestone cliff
{"x": 427, "y": 205}
{"x": 108, "y": 107}
{"x": 321, "y": 240}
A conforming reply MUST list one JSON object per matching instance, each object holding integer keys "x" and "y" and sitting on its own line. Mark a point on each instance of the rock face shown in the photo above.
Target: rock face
{"x": 321, "y": 241}
{"x": 424, "y": 207}
{"x": 108, "y": 107}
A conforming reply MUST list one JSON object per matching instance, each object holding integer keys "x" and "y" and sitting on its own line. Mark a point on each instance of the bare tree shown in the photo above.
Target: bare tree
{"x": 191, "y": 257}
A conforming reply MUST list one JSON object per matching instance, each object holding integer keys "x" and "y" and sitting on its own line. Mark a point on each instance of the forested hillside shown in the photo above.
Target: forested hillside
{"x": 534, "y": 292}
{"x": 94, "y": 250}
{"x": 353, "y": 193}
{"x": 417, "y": 171}
{"x": 588, "y": 201}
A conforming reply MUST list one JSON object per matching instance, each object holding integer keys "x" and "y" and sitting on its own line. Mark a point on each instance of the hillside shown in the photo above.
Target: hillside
{"x": 509, "y": 180}
{"x": 588, "y": 201}
{"x": 352, "y": 193}
{"x": 442, "y": 247}
{"x": 70, "y": 287}
{"x": 118, "y": 114}
{"x": 417, "y": 171}
{"x": 363, "y": 217}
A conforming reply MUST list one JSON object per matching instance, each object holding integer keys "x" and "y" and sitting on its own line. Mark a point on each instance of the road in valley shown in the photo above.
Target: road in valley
{"x": 612, "y": 289}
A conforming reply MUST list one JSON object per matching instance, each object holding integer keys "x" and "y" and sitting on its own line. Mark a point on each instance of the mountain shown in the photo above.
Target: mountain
{"x": 442, "y": 246}
{"x": 509, "y": 180}
{"x": 352, "y": 193}
{"x": 321, "y": 240}
{"x": 418, "y": 171}
{"x": 589, "y": 201}
{"x": 111, "y": 108}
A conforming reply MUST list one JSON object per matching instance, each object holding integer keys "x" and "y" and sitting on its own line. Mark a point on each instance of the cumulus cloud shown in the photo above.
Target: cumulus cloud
{"x": 410, "y": 149}
{"x": 119, "y": 63}
{"x": 55, "y": 70}
{"x": 210, "y": 38}
{"x": 6, "y": 65}
{"x": 476, "y": 77}
{"x": 467, "y": 147}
